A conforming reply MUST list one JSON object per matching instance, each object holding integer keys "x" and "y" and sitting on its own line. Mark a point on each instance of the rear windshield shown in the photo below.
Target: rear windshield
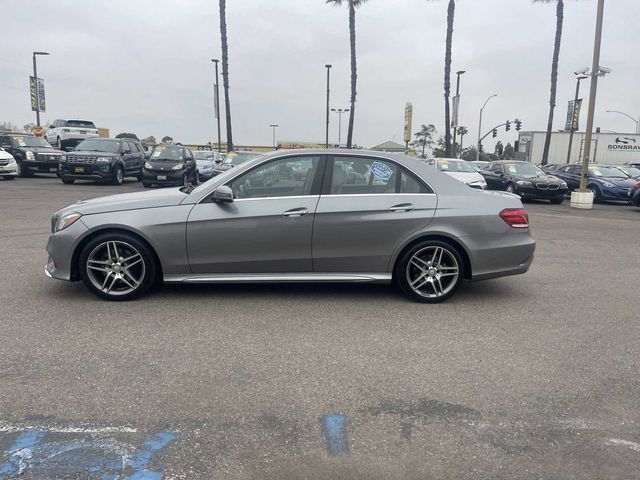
{"x": 80, "y": 123}
{"x": 99, "y": 145}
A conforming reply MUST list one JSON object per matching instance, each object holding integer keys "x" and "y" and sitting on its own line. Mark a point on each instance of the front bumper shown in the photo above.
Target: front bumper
{"x": 163, "y": 177}
{"x": 616, "y": 194}
{"x": 534, "y": 192}
{"x": 10, "y": 169}
{"x": 39, "y": 166}
{"x": 61, "y": 247}
{"x": 93, "y": 171}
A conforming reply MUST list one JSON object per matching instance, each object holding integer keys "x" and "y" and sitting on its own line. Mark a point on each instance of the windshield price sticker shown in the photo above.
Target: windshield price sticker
{"x": 381, "y": 170}
{"x": 512, "y": 169}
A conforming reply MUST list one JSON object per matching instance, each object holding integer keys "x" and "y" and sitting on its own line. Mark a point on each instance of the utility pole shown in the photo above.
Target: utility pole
{"x": 326, "y": 140}
{"x": 456, "y": 109}
{"x": 480, "y": 127}
{"x": 274, "y": 126}
{"x": 35, "y": 75}
{"x": 217, "y": 102}
{"x": 575, "y": 105}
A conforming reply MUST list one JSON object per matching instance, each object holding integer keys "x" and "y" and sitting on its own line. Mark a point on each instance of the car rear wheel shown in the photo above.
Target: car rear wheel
{"x": 118, "y": 176}
{"x": 117, "y": 266}
{"x": 430, "y": 271}
{"x": 68, "y": 181}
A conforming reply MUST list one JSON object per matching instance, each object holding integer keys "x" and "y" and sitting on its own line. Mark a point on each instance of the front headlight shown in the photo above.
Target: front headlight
{"x": 29, "y": 156}
{"x": 524, "y": 183}
{"x": 608, "y": 184}
{"x": 148, "y": 166}
{"x": 179, "y": 166}
{"x": 103, "y": 160}
{"x": 563, "y": 184}
{"x": 66, "y": 221}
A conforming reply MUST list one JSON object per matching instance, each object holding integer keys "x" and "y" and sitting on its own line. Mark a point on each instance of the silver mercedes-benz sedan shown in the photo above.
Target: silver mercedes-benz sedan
{"x": 297, "y": 216}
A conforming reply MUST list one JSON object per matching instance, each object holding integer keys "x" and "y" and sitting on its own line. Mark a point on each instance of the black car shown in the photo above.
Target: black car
{"x": 170, "y": 165}
{"x": 234, "y": 159}
{"x": 32, "y": 154}
{"x": 524, "y": 179}
{"x": 103, "y": 159}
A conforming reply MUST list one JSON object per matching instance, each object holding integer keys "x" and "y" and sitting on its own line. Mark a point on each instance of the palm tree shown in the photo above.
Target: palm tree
{"x": 225, "y": 71}
{"x": 554, "y": 73}
{"x": 353, "y": 4}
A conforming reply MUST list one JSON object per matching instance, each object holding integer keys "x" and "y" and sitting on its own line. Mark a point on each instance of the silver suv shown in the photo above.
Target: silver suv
{"x": 65, "y": 134}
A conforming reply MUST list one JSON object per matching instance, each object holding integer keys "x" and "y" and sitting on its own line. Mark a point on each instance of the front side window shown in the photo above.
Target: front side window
{"x": 497, "y": 168}
{"x": 286, "y": 177}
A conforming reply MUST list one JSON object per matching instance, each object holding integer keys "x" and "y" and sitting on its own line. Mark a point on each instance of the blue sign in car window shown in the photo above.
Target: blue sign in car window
{"x": 381, "y": 170}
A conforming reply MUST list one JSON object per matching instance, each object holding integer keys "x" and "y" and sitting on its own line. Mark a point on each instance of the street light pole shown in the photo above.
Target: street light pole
{"x": 340, "y": 111}
{"x": 35, "y": 75}
{"x": 595, "y": 73}
{"x": 326, "y": 138}
{"x": 274, "y": 126}
{"x": 575, "y": 105}
{"x": 480, "y": 126}
{"x": 457, "y": 111}
{"x": 217, "y": 101}
{"x": 628, "y": 116}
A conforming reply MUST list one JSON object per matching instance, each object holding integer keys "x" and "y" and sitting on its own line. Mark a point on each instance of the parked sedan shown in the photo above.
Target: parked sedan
{"x": 31, "y": 153}
{"x": 526, "y": 180}
{"x": 606, "y": 183}
{"x": 233, "y": 159}
{"x": 170, "y": 165}
{"x": 103, "y": 159}
{"x": 8, "y": 165}
{"x": 207, "y": 161}
{"x": 398, "y": 221}
{"x": 461, "y": 170}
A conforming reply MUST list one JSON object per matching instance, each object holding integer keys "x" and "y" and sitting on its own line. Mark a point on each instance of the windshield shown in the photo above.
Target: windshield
{"x": 608, "y": 172}
{"x": 631, "y": 171}
{"x": 455, "y": 166}
{"x": 204, "y": 155}
{"x": 80, "y": 123}
{"x": 170, "y": 154}
{"x": 30, "y": 141}
{"x": 95, "y": 145}
{"x": 524, "y": 169}
{"x": 239, "y": 158}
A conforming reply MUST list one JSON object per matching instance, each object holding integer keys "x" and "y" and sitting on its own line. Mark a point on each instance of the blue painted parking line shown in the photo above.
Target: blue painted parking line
{"x": 335, "y": 435}
{"x": 95, "y": 454}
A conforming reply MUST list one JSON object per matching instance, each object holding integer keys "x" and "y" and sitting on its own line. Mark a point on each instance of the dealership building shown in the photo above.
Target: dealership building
{"x": 606, "y": 148}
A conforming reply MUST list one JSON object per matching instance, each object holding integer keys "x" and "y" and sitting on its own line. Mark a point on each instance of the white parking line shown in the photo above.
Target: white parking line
{"x": 9, "y": 427}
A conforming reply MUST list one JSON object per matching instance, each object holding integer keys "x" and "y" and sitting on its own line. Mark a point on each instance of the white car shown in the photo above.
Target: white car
{"x": 8, "y": 165}
{"x": 65, "y": 134}
{"x": 461, "y": 170}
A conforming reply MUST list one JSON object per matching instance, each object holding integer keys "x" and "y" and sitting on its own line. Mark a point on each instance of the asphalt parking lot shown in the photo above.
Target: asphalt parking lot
{"x": 535, "y": 376}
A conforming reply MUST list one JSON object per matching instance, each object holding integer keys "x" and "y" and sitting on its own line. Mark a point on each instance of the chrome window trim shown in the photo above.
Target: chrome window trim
{"x": 376, "y": 194}
{"x": 274, "y": 198}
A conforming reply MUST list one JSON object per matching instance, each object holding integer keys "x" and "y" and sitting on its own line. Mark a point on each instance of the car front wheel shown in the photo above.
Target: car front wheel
{"x": 511, "y": 188}
{"x": 117, "y": 266}
{"x": 118, "y": 176}
{"x": 430, "y": 271}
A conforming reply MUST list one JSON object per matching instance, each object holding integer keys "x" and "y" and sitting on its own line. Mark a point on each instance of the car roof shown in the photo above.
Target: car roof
{"x": 18, "y": 133}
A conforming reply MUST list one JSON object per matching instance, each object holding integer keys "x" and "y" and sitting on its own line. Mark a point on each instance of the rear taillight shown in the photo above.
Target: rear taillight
{"x": 515, "y": 217}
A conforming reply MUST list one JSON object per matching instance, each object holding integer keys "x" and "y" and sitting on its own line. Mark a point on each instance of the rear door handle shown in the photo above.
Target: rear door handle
{"x": 296, "y": 212}
{"x": 403, "y": 207}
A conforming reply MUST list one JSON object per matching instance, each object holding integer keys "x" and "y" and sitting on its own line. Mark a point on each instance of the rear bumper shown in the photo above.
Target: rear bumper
{"x": 500, "y": 256}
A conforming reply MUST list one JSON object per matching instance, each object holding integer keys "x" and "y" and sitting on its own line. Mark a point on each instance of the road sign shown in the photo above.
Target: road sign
{"x": 408, "y": 122}
{"x": 573, "y": 116}
{"x": 456, "y": 108}
{"x": 36, "y": 91}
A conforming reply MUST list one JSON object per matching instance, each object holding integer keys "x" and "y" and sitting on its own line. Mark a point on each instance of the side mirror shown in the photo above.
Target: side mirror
{"x": 222, "y": 194}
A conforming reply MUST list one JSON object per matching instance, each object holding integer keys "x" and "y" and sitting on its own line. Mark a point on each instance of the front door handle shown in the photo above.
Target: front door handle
{"x": 296, "y": 212}
{"x": 403, "y": 207}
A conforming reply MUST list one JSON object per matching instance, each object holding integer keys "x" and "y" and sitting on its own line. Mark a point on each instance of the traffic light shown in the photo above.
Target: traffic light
{"x": 518, "y": 125}
{"x": 508, "y": 125}
{"x": 495, "y": 132}
{"x": 481, "y": 149}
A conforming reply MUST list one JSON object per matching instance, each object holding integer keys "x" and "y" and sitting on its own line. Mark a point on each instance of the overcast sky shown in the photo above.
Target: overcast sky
{"x": 144, "y": 66}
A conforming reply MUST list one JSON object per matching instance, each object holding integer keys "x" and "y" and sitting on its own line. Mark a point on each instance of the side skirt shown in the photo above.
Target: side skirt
{"x": 279, "y": 277}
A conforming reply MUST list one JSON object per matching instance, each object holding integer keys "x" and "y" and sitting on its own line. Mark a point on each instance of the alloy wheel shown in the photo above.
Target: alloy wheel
{"x": 115, "y": 268}
{"x": 432, "y": 272}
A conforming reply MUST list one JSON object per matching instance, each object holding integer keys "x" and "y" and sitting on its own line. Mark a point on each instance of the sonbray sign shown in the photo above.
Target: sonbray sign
{"x": 626, "y": 144}
{"x": 36, "y": 91}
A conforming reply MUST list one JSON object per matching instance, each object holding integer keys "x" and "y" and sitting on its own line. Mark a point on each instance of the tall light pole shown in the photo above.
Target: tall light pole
{"x": 217, "y": 102}
{"x": 274, "y": 126}
{"x": 456, "y": 110}
{"x": 480, "y": 126}
{"x": 340, "y": 111}
{"x": 628, "y": 116}
{"x": 326, "y": 138}
{"x": 575, "y": 105}
{"x": 596, "y": 71}
{"x": 35, "y": 75}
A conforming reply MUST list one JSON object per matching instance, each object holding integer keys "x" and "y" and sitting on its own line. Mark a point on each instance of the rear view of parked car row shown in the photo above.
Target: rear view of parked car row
{"x": 111, "y": 161}
{"x": 552, "y": 182}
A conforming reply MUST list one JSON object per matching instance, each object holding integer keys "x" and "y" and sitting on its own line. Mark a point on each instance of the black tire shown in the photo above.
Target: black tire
{"x": 68, "y": 181}
{"x": 195, "y": 178}
{"x": 149, "y": 267}
{"x": 146, "y": 184}
{"x": 23, "y": 172}
{"x": 597, "y": 193}
{"x": 59, "y": 144}
{"x": 118, "y": 176}
{"x": 404, "y": 268}
{"x": 511, "y": 188}
{"x": 9, "y": 177}
{"x": 557, "y": 201}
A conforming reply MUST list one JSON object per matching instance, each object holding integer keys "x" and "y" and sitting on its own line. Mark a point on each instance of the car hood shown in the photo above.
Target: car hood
{"x": 54, "y": 151}
{"x": 466, "y": 177}
{"x": 5, "y": 155}
{"x": 91, "y": 152}
{"x": 165, "y": 197}
{"x": 164, "y": 164}
{"x": 618, "y": 182}
{"x": 540, "y": 178}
